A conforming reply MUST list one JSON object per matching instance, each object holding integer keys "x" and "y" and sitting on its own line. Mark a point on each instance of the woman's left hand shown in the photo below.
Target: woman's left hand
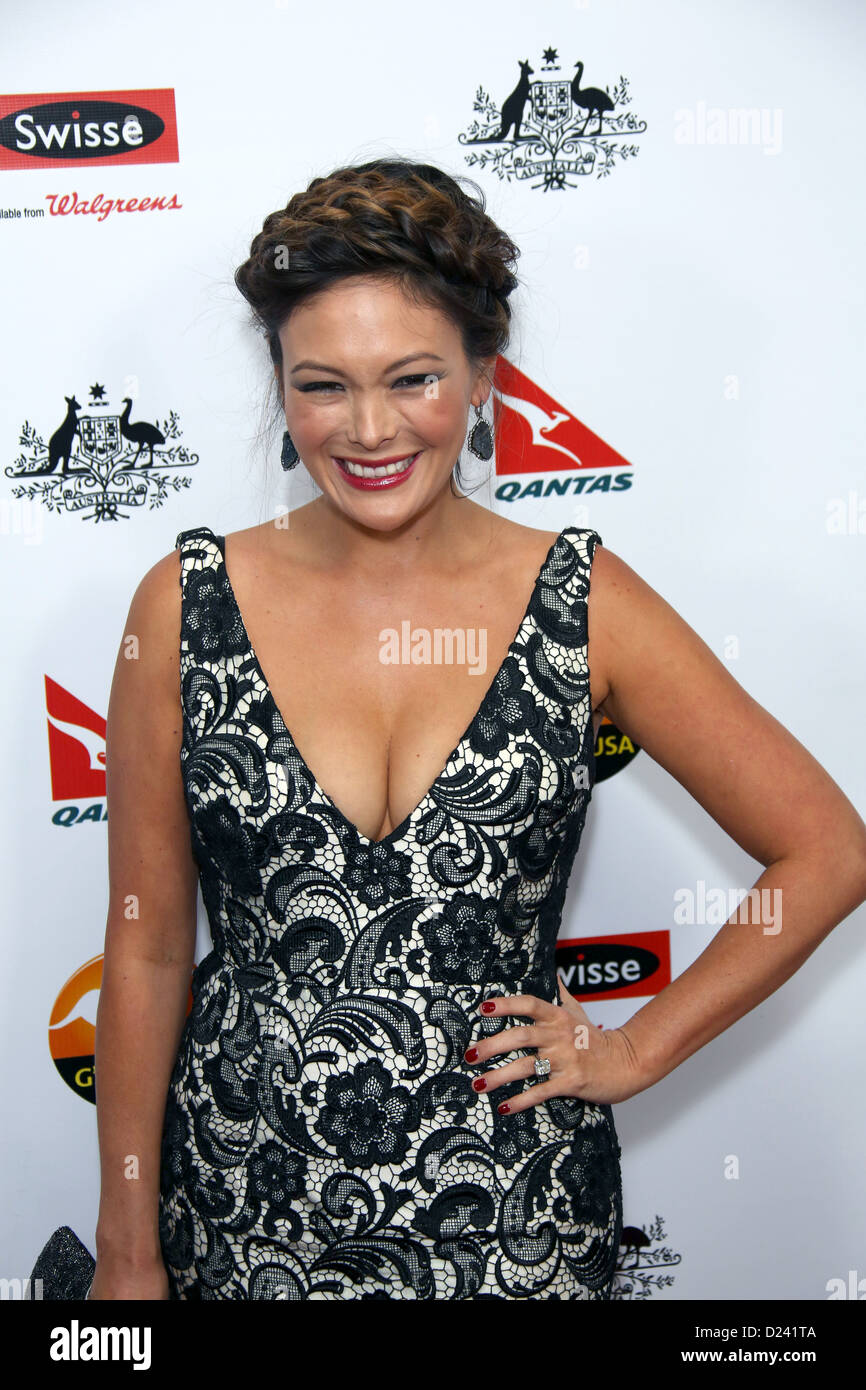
{"x": 590, "y": 1063}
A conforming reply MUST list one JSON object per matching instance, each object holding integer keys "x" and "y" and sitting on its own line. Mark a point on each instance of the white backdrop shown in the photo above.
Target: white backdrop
{"x": 700, "y": 308}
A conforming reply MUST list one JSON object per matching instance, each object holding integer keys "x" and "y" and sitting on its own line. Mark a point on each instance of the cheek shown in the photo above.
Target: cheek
{"x": 438, "y": 420}
{"x": 311, "y": 425}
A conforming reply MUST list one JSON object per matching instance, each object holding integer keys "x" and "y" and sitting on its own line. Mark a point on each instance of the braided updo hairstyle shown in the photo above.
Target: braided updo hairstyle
{"x": 396, "y": 218}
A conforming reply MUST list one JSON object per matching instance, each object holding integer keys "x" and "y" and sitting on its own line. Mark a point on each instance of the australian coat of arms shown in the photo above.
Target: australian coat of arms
{"x": 102, "y": 465}
{"x": 553, "y": 126}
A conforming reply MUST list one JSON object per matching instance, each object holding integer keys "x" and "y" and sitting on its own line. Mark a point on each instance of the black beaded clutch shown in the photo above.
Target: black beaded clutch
{"x": 65, "y": 1266}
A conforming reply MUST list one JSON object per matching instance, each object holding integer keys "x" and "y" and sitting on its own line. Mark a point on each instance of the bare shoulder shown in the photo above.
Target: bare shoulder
{"x": 267, "y": 549}
{"x": 146, "y": 672}
{"x": 515, "y": 533}
{"x": 260, "y": 534}
{"x": 519, "y": 543}
{"x": 253, "y": 538}
{"x": 156, "y": 602}
{"x": 148, "y": 828}
{"x": 665, "y": 688}
{"x": 631, "y": 626}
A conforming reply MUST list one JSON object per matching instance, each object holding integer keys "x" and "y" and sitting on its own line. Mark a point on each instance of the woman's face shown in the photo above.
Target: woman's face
{"x": 372, "y": 378}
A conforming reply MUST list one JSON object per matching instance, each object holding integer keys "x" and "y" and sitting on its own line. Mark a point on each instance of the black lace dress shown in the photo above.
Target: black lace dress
{"x": 322, "y": 1139}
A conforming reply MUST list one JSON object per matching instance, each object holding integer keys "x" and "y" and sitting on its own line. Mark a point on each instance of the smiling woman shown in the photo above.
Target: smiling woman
{"x": 382, "y": 1088}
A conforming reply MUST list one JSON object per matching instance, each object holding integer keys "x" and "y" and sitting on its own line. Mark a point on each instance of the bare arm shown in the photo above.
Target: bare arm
{"x": 150, "y": 932}
{"x": 666, "y": 689}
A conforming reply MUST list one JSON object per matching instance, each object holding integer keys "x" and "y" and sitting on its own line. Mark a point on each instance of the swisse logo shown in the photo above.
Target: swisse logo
{"x": 88, "y": 127}
{"x": 614, "y": 967}
{"x": 85, "y": 132}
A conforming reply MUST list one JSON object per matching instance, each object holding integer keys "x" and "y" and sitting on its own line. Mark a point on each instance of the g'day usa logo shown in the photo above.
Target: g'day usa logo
{"x": 72, "y": 1025}
{"x": 51, "y": 131}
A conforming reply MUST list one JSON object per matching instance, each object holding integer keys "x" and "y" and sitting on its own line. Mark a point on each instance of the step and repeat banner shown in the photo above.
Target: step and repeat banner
{"x": 685, "y": 377}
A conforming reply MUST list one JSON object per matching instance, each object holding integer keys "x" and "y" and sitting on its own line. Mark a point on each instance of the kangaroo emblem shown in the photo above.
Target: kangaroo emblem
{"x": 512, "y": 106}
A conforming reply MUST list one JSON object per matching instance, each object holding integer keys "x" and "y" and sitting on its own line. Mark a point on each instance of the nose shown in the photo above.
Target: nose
{"x": 373, "y": 421}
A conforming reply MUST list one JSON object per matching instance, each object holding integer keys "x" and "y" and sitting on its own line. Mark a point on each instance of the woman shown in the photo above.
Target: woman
{"x": 382, "y": 1089}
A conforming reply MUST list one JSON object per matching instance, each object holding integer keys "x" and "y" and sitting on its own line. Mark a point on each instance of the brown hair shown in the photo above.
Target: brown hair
{"x": 396, "y": 218}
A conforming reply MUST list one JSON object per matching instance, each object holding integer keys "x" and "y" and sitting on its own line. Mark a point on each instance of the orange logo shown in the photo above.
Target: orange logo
{"x": 72, "y": 1028}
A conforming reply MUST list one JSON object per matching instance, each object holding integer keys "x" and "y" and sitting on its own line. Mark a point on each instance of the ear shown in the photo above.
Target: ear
{"x": 484, "y": 379}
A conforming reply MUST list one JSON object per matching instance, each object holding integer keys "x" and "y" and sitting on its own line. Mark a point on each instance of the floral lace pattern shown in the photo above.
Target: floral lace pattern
{"x": 322, "y": 1139}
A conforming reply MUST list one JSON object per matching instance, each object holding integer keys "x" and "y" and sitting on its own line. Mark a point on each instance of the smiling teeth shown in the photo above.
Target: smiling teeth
{"x": 361, "y": 471}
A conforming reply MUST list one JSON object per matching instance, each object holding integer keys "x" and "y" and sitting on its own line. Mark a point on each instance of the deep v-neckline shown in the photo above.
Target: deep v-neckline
{"x": 259, "y": 673}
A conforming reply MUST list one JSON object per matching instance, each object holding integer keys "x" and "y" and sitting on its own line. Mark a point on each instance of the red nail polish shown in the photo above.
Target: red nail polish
{"x": 471, "y": 1054}
{"x": 488, "y": 1006}
{"x": 504, "y": 1108}
{"x": 479, "y": 1084}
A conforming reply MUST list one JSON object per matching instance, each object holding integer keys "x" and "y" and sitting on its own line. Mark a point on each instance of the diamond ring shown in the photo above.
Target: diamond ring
{"x": 542, "y": 1066}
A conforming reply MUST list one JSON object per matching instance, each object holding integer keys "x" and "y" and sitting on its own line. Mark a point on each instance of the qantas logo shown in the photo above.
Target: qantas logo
{"x": 134, "y": 127}
{"x": 76, "y": 751}
{"x": 535, "y": 433}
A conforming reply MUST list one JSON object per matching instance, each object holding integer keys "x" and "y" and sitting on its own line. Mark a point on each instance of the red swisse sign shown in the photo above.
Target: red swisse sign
{"x": 631, "y": 964}
{"x": 55, "y": 130}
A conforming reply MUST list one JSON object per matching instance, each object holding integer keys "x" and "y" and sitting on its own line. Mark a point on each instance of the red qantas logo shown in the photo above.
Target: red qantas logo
{"x": 76, "y": 745}
{"x": 45, "y": 130}
{"x": 535, "y": 434}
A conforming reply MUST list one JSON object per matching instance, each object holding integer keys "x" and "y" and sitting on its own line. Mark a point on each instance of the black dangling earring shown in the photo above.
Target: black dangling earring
{"x": 289, "y": 455}
{"x": 480, "y": 439}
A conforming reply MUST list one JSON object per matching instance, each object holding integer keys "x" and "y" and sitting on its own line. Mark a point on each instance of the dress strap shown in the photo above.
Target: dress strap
{"x": 557, "y": 650}
{"x": 559, "y": 606}
{"x": 583, "y": 541}
{"x": 208, "y": 637}
{"x": 200, "y": 558}
{"x": 200, "y": 549}
{"x": 194, "y": 532}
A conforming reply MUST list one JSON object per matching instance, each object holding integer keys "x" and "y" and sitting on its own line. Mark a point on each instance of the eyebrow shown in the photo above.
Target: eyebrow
{"x": 335, "y": 371}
